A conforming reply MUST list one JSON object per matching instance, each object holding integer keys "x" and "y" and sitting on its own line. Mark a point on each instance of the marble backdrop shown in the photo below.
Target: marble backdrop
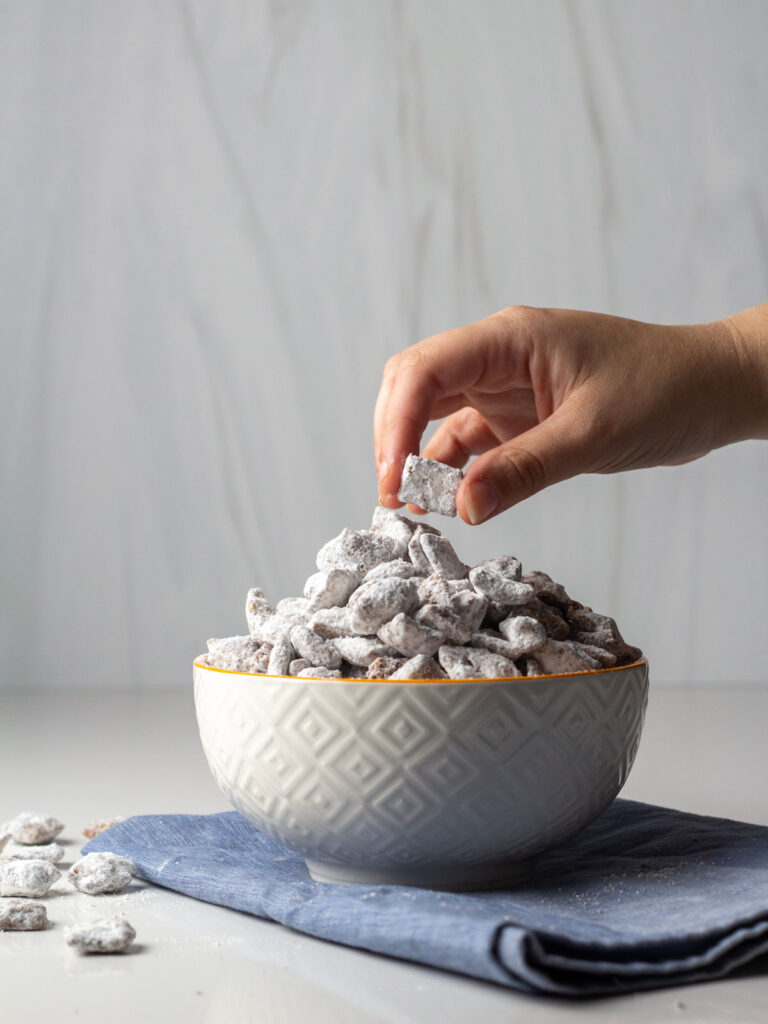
{"x": 217, "y": 220}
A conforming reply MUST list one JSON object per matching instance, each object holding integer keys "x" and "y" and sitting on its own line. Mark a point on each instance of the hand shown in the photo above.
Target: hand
{"x": 540, "y": 395}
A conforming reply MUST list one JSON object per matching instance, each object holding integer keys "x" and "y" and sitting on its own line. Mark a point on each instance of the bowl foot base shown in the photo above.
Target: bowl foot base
{"x": 467, "y": 878}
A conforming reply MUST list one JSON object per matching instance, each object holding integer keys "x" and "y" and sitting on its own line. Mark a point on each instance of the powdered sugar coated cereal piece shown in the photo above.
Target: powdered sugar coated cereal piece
{"x": 27, "y": 877}
{"x": 332, "y": 622}
{"x": 103, "y": 936}
{"x": 410, "y": 637}
{"x": 495, "y": 580}
{"x": 524, "y": 633}
{"x": 280, "y": 657}
{"x": 549, "y": 616}
{"x": 384, "y": 668}
{"x": 470, "y": 607}
{"x": 99, "y": 873}
{"x": 445, "y": 621}
{"x": 355, "y": 550}
{"x": 419, "y": 667}
{"x": 442, "y": 557}
{"x": 398, "y": 567}
{"x": 398, "y": 528}
{"x": 312, "y": 647}
{"x": 237, "y": 654}
{"x": 547, "y": 590}
{"x": 470, "y": 663}
{"x": 362, "y": 650}
{"x": 257, "y": 609}
{"x": 606, "y": 658}
{"x": 430, "y": 485}
{"x": 375, "y": 603}
{"x": 52, "y": 852}
{"x": 298, "y": 665}
{"x": 495, "y": 644}
{"x": 95, "y": 828}
{"x": 330, "y": 588}
{"x": 319, "y": 672}
{"x": 416, "y": 552}
{"x": 555, "y": 656}
{"x": 30, "y": 828}
{"x": 438, "y": 589}
{"x": 20, "y": 916}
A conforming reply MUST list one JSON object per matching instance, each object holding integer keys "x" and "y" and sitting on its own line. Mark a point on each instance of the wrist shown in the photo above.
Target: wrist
{"x": 746, "y": 337}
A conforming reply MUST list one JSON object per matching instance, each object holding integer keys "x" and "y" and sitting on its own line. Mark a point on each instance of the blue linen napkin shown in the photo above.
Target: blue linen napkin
{"x": 644, "y": 897}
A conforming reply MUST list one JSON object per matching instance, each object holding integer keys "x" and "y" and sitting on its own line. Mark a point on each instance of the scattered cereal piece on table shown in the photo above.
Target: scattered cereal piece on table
{"x": 52, "y": 852}
{"x": 95, "y": 828}
{"x": 100, "y": 873}
{"x": 31, "y": 829}
{"x": 20, "y": 916}
{"x": 430, "y": 485}
{"x": 103, "y": 936}
{"x": 27, "y": 877}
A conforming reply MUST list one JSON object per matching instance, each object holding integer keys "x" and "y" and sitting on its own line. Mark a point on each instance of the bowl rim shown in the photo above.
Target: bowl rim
{"x": 442, "y": 682}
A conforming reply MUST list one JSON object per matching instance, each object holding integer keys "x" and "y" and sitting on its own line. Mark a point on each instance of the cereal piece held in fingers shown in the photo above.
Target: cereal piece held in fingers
{"x": 21, "y": 916}
{"x": 27, "y": 877}
{"x": 98, "y": 873}
{"x": 103, "y": 936}
{"x": 430, "y": 485}
{"x": 410, "y": 637}
{"x": 419, "y": 667}
{"x": 32, "y": 829}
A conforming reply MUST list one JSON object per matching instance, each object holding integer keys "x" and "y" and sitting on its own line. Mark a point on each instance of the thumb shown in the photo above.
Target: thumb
{"x": 553, "y": 450}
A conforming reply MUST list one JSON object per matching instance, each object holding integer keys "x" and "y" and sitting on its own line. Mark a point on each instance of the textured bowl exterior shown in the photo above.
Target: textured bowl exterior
{"x": 415, "y": 781}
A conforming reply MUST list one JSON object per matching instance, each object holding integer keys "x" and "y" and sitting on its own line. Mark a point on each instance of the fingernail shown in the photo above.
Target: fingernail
{"x": 382, "y": 469}
{"x": 481, "y": 499}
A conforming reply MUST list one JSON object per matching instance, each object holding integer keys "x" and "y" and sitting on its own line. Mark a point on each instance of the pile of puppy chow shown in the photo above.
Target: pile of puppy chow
{"x": 396, "y": 602}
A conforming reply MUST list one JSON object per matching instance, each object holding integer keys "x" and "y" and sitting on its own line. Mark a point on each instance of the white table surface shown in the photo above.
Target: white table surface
{"x": 87, "y": 754}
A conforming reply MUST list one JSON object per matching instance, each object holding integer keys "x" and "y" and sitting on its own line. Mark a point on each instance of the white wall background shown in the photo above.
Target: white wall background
{"x": 216, "y": 222}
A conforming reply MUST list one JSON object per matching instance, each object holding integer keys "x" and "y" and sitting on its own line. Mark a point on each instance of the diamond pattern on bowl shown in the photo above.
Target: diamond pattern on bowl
{"x": 421, "y": 774}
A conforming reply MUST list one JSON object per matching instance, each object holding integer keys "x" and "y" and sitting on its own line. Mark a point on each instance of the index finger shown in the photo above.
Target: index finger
{"x": 417, "y": 382}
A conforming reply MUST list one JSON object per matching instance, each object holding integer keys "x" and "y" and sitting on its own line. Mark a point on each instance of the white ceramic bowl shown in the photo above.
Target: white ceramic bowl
{"x": 444, "y": 784}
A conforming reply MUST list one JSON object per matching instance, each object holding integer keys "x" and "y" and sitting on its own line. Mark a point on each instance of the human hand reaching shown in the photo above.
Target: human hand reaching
{"x": 540, "y": 395}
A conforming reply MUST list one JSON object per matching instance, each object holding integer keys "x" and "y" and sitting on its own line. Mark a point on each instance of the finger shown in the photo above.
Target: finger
{"x": 461, "y": 435}
{"x": 555, "y": 449}
{"x": 414, "y": 381}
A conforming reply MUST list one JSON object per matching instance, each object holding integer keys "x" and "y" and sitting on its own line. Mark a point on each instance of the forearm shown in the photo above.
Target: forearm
{"x": 749, "y": 333}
